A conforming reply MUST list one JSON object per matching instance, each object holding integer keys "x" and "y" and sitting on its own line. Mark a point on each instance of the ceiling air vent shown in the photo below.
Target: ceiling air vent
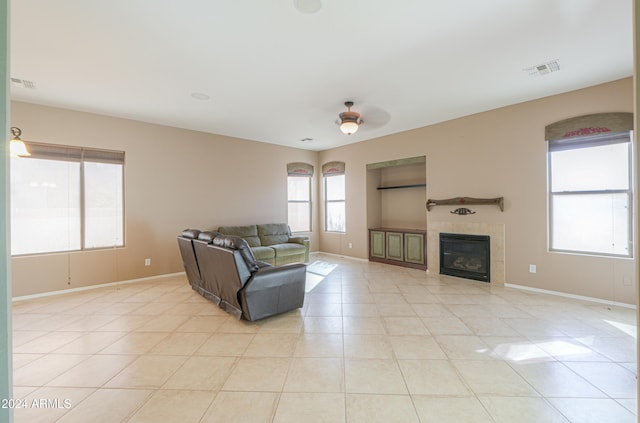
{"x": 543, "y": 69}
{"x": 23, "y": 83}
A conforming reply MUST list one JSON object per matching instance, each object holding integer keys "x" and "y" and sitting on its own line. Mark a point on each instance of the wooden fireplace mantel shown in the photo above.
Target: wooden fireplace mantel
{"x": 499, "y": 201}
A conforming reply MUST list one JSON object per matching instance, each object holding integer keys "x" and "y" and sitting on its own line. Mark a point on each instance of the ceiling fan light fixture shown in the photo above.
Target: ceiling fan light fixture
{"x": 349, "y": 121}
{"x": 348, "y": 127}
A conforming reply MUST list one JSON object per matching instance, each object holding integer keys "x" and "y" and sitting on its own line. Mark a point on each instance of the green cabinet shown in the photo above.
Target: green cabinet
{"x": 395, "y": 246}
{"x": 414, "y": 248}
{"x": 376, "y": 244}
{"x": 403, "y": 247}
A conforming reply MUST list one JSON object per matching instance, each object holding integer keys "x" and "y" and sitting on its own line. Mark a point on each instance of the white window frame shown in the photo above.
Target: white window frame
{"x": 335, "y": 201}
{"x": 307, "y": 201}
{"x": 588, "y": 142}
{"x": 79, "y": 155}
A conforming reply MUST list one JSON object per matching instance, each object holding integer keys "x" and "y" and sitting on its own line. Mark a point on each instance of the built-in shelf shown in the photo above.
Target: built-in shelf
{"x": 405, "y": 186}
{"x": 396, "y": 192}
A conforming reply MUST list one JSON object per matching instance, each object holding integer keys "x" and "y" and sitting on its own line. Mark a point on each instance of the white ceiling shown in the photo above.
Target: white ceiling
{"x": 277, "y": 75}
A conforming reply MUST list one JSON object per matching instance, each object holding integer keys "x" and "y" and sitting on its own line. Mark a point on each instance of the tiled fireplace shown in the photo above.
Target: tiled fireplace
{"x": 465, "y": 256}
{"x": 495, "y": 232}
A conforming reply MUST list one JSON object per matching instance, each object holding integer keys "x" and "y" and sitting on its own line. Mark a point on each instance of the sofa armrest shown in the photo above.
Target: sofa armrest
{"x": 268, "y": 277}
{"x": 299, "y": 239}
{"x": 304, "y": 240}
{"x": 274, "y": 290}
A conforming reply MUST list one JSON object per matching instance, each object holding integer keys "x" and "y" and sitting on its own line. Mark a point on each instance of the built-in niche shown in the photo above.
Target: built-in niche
{"x": 396, "y": 215}
{"x": 396, "y": 193}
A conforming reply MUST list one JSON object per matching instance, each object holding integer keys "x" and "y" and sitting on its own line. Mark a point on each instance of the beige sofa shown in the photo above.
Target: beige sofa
{"x": 272, "y": 242}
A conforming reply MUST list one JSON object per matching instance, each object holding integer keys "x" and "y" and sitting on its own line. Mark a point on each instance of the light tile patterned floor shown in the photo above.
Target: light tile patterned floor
{"x": 373, "y": 343}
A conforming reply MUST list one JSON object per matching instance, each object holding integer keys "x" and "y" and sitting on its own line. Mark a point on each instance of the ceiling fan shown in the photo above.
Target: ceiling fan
{"x": 349, "y": 121}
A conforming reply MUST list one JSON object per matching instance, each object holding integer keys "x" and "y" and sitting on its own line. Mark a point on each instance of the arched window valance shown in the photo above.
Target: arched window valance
{"x": 333, "y": 168}
{"x": 589, "y": 125}
{"x": 299, "y": 169}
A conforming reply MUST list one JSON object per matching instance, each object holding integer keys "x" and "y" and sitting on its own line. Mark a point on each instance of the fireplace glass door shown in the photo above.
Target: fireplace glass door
{"x": 465, "y": 256}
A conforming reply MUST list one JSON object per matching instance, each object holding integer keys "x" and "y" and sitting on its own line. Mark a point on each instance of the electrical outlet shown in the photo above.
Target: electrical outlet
{"x": 350, "y": 245}
{"x": 147, "y": 262}
{"x": 532, "y": 268}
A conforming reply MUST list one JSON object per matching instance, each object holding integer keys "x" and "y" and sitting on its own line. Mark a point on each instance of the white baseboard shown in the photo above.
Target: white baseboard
{"x": 87, "y": 288}
{"x": 573, "y": 296}
{"x": 340, "y": 256}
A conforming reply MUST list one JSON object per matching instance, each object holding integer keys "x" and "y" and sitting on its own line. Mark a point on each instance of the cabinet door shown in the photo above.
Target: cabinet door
{"x": 395, "y": 246}
{"x": 376, "y": 244}
{"x": 414, "y": 248}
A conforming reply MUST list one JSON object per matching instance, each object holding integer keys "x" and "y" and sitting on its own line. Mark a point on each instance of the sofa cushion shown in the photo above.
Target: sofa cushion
{"x": 191, "y": 233}
{"x": 274, "y": 233}
{"x": 237, "y": 243}
{"x": 208, "y": 236}
{"x": 290, "y": 249}
{"x": 248, "y": 232}
{"x": 263, "y": 253}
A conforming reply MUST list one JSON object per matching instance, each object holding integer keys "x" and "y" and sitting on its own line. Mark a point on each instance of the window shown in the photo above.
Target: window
{"x": 66, "y": 199}
{"x": 299, "y": 196}
{"x": 335, "y": 203}
{"x": 590, "y": 194}
{"x": 334, "y": 197}
{"x": 299, "y": 191}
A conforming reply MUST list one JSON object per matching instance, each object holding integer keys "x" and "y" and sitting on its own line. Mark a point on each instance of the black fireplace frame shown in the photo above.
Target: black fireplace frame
{"x": 469, "y": 239}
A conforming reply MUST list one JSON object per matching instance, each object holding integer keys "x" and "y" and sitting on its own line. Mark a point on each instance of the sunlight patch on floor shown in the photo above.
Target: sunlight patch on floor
{"x": 521, "y": 352}
{"x": 312, "y": 281}
{"x": 630, "y": 330}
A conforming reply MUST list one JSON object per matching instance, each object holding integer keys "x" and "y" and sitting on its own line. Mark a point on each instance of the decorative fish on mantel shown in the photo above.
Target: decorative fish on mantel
{"x": 462, "y": 211}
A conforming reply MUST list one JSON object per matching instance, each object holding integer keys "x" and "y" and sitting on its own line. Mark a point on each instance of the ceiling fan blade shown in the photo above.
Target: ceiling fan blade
{"x": 374, "y": 117}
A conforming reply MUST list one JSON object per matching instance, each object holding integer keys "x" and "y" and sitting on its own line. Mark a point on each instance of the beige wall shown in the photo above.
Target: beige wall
{"x": 174, "y": 179}
{"x": 177, "y": 178}
{"x": 403, "y": 207}
{"x": 497, "y": 153}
